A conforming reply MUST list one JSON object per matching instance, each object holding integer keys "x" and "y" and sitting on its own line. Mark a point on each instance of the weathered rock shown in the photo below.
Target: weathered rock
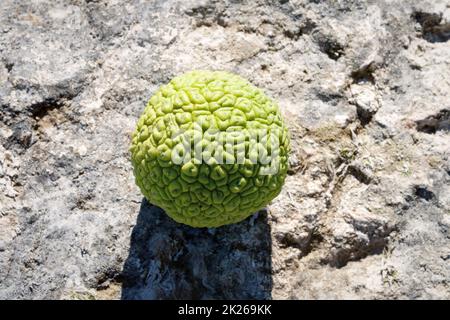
{"x": 365, "y": 87}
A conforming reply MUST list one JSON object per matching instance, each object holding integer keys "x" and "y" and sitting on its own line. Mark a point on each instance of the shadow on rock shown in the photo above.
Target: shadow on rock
{"x": 168, "y": 260}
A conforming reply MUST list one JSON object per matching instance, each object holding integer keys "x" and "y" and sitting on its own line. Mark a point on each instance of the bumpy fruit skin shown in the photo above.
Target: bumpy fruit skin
{"x": 206, "y": 194}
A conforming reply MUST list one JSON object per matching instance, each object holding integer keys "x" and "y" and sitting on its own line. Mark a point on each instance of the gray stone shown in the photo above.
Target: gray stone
{"x": 364, "y": 86}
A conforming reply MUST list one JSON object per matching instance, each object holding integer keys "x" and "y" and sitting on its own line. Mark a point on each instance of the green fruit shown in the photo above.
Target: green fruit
{"x": 210, "y": 149}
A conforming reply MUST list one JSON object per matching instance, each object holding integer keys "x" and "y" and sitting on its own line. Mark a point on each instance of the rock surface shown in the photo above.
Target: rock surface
{"x": 364, "y": 85}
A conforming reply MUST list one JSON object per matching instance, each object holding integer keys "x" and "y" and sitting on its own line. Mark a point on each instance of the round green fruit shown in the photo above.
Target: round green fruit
{"x": 210, "y": 149}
